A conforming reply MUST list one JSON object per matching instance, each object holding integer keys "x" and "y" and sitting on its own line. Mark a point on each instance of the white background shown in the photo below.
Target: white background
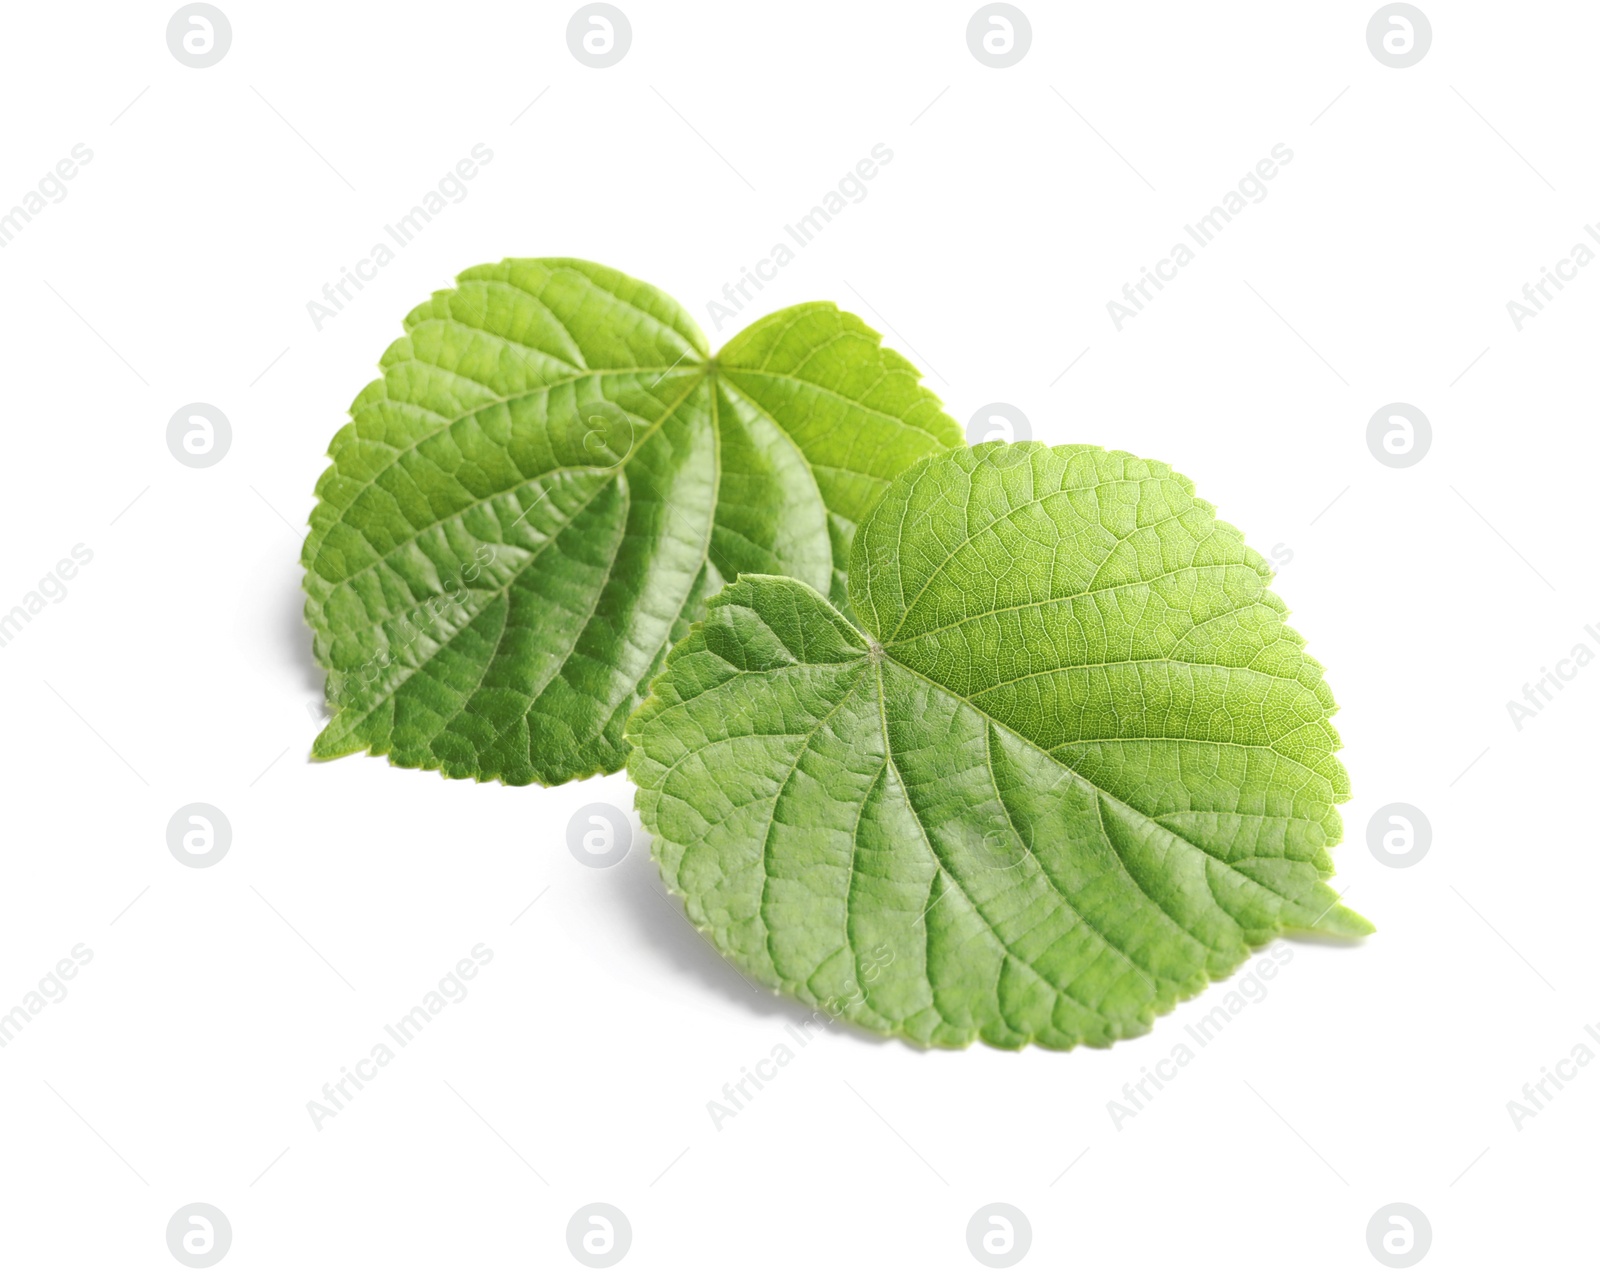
{"x": 177, "y": 668}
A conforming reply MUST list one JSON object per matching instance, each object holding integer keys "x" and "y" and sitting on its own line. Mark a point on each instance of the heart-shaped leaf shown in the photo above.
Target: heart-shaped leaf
{"x": 548, "y": 482}
{"x": 1074, "y": 767}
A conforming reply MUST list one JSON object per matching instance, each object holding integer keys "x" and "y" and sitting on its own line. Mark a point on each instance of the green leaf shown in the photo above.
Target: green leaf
{"x": 1075, "y": 766}
{"x": 548, "y": 482}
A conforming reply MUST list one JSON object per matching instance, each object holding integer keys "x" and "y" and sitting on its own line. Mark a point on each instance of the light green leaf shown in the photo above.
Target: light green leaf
{"x": 1075, "y": 766}
{"x": 549, "y": 480}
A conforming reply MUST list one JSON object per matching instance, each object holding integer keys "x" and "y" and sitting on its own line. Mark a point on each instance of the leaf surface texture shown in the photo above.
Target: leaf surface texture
{"x": 1071, "y": 766}
{"x": 545, "y": 486}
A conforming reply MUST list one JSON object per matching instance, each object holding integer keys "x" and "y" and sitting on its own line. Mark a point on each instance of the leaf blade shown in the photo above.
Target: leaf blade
{"x": 532, "y": 505}
{"x": 945, "y": 870}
